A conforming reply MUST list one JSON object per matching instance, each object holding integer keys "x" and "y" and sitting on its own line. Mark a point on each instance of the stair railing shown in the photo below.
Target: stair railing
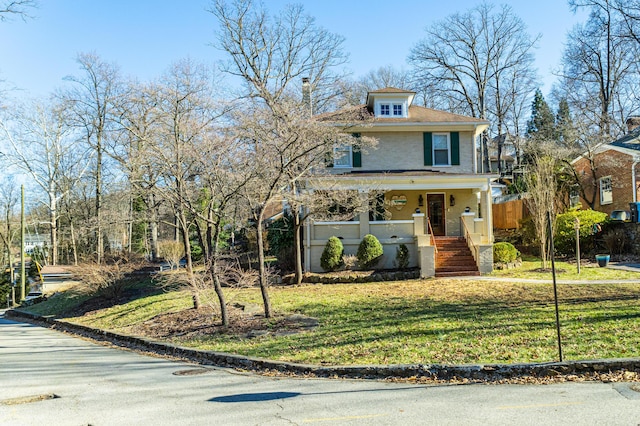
{"x": 432, "y": 237}
{"x": 472, "y": 245}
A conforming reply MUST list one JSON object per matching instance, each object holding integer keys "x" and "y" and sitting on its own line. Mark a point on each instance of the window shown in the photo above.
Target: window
{"x": 606, "y": 191}
{"x": 441, "y": 149}
{"x": 397, "y": 109}
{"x": 342, "y": 156}
{"x": 384, "y": 109}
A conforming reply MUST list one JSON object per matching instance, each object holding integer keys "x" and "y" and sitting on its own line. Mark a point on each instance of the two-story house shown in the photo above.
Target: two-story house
{"x": 425, "y": 166}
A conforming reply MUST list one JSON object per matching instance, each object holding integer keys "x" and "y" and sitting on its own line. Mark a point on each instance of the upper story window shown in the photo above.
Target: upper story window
{"x": 441, "y": 149}
{"x": 342, "y": 156}
{"x": 606, "y": 190}
{"x": 392, "y": 109}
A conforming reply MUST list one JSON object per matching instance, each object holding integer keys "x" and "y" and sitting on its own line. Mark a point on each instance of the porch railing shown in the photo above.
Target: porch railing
{"x": 432, "y": 237}
{"x": 467, "y": 237}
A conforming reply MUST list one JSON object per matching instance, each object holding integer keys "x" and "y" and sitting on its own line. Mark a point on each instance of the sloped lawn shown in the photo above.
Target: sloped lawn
{"x": 419, "y": 321}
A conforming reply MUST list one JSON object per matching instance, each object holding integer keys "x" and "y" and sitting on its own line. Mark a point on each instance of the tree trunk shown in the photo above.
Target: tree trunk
{"x": 53, "y": 227}
{"x": 215, "y": 278}
{"x": 184, "y": 231}
{"x": 297, "y": 244}
{"x": 264, "y": 283}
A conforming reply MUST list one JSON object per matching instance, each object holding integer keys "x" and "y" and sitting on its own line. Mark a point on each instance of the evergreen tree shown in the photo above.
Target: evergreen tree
{"x": 565, "y": 130}
{"x": 541, "y": 126}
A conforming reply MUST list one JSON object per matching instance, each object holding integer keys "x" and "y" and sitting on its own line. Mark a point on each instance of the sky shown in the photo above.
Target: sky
{"x": 144, "y": 37}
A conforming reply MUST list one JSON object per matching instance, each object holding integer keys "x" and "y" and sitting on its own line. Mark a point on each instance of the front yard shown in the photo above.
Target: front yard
{"x": 416, "y": 321}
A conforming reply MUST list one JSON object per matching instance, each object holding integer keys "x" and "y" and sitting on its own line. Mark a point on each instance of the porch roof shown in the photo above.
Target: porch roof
{"x": 402, "y": 180}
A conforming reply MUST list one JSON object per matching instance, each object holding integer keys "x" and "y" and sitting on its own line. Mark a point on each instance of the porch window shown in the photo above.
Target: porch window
{"x": 342, "y": 156}
{"x": 441, "y": 149}
{"x": 606, "y": 191}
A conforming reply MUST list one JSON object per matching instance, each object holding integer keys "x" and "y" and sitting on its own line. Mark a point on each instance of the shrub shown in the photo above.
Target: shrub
{"x": 369, "y": 252}
{"x": 402, "y": 257}
{"x": 280, "y": 236}
{"x": 504, "y": 252}
{"x": 565, "y": 234}
{"x": 331, "y": 258}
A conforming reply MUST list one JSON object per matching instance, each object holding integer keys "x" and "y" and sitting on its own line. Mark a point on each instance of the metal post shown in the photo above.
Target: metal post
{"x": 555, "y": 287}
{"x": 23, "y": 280}
{"x": 576, "y": 225}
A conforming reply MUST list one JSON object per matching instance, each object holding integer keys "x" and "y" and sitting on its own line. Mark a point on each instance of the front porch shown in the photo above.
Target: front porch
{"x": 414, "y": 214}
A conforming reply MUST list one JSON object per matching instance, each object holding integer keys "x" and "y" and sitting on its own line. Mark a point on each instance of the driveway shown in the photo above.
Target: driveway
{"x": 49, "y": 378}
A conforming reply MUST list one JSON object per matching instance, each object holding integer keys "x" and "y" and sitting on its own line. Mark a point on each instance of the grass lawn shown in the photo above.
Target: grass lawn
{"x": 419, "y": 321}
{"x": 565, "y": 271}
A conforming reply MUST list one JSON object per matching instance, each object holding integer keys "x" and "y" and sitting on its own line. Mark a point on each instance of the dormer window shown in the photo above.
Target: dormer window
{"x": 391, "y": 109}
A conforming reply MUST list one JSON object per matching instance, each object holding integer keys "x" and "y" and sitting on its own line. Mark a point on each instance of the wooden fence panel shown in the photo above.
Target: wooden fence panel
{"x": 508, "y": 215}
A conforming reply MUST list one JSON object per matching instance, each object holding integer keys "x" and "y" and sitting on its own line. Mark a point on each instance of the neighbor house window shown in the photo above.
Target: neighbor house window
{"x": 385, "y": 109}
{"x": 397, "y": 109}
{"x": 606, "y": 192}
{"x": 441, "y": 149}
{"x": 342, "y": 156}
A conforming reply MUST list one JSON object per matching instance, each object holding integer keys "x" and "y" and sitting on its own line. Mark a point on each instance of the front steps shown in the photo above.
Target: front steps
{"x": 454, "y": 258}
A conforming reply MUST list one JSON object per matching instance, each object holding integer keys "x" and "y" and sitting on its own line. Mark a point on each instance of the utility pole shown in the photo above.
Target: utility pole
{"x": 23, "y": 281}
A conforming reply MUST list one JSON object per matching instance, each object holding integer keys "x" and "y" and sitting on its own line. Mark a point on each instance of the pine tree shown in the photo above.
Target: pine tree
{"x": 541, "y": 126}
{"x": 565, "y": 130}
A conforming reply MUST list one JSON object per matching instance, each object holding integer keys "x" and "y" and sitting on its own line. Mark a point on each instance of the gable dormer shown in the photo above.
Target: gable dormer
{"x": 390, "y": 102}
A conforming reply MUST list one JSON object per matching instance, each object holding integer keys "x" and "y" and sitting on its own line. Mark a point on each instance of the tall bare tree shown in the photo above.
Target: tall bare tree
{"x": 45, "y": 147}
{"x": 271, "y": 55}
{"x": 469, "y": 58}
{"x": 599, "y": 69}
{"x": 91, "y": 103}
{"x": 187, "y": 112}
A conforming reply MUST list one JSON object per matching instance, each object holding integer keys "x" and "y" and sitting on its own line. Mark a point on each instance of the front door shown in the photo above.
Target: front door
{"x": 435, "y": 211}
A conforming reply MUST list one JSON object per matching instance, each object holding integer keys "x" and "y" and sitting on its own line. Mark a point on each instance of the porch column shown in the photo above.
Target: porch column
{"x": 418, "y": 224}
{"x": 485, "y": 209}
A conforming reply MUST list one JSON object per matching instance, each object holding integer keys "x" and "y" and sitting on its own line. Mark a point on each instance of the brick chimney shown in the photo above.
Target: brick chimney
{"x": 633, "y": 122}
{"x": 306, "y": 95}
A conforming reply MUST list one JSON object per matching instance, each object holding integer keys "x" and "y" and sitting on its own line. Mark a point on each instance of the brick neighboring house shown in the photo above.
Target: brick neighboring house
{"x": 613, "y": 183}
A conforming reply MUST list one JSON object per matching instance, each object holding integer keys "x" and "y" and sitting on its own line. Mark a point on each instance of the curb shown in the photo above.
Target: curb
{"x": 428, "y": 372}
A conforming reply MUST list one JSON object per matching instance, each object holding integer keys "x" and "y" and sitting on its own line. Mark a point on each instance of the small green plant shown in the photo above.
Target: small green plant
{"x": 504, "y": 252}
{"x": 565, "y": 234}
{"x": 369, "y": 252}
{"x": 402, "y": 257}
{"x": 331, "y": 258}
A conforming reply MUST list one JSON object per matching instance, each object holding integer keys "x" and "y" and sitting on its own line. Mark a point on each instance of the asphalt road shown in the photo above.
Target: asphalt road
{"x": 48, "y": 378}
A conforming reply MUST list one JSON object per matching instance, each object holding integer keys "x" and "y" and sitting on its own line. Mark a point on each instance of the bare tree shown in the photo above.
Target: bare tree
{"x": 44, "y": 148}
{"x": 599, "y": 73}
{"x": 18, "y": 8}
{"x": 272, "y": 55}
{"x": 542, "y": 195}
{"x": 91, "y": 101}
{"x": 472, "y": 57}
{"x": 9, "y": 196}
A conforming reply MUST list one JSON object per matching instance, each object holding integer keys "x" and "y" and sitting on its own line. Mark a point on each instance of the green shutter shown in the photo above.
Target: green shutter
{"x": 356, "y": 153}
{"x": 427, "y": 139}
{"x": 455, "y": 148}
